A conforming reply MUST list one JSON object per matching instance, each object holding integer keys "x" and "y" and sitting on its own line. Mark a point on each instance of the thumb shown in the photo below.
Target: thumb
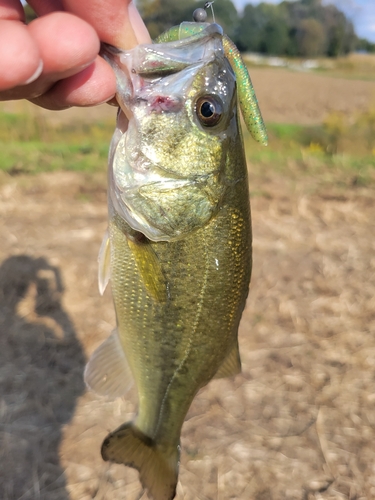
{"x": 116, "y": 22}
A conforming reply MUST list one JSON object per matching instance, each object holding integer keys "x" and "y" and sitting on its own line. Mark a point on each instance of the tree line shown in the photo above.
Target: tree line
{"x": 304, "y": 28}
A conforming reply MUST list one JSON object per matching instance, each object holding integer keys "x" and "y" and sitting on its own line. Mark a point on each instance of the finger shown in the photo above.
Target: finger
{"x": 75, "y": 48}
{"x": 20, "y": 57}
{"x": 11, "y": 10}
{"x": 94, "y": 85}
{"x": 139, "y": 27}
{"x": 43, "y": 7}
{"x": 117, "y": 22}
{"x": 66, "y": 43}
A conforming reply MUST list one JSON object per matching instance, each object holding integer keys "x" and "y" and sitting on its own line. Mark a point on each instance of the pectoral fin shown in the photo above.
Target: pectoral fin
{"x": 107, "y": 373}
{"x": 104, "y": 260}
{"x": 231, "y": 364}
{"x": 150, "y": 270}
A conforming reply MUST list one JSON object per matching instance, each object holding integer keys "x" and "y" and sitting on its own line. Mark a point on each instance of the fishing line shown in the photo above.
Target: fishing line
{"x": 207, "y": 5}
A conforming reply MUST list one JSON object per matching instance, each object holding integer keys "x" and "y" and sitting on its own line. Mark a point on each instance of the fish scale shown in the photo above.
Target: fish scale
{"x": 204, "y": 302}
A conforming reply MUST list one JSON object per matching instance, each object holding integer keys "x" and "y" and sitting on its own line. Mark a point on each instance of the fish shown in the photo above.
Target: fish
{"x": 178, "y": 246}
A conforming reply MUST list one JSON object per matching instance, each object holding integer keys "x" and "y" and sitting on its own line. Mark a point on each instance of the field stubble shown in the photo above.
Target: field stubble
{"x": 297, "y": 424}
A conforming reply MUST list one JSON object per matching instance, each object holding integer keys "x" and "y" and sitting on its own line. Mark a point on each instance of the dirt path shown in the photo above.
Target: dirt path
{"x": 299, "y": 423}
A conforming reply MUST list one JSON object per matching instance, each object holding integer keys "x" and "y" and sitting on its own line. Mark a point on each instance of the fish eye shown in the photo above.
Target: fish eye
{"x": 209, "y": 110}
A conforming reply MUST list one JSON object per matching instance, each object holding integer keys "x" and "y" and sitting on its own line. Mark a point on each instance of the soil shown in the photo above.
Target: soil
{"x": 297, "y": 424}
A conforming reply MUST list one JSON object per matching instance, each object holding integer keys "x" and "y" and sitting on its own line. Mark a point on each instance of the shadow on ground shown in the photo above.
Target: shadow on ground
{"x": 41, "y": 364}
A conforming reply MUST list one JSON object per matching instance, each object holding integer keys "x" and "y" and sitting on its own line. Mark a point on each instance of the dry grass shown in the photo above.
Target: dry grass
{"x": 299, "y": 423}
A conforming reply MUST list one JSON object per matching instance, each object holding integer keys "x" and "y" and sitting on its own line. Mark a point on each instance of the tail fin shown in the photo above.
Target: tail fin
{"x": 158, "y": 471}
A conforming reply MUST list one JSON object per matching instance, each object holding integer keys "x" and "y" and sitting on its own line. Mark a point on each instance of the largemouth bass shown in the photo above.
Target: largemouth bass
{"x": 178, "y": 248}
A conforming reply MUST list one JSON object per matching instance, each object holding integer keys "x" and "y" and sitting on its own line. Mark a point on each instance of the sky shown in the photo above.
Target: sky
{"x": 360, "y": 12}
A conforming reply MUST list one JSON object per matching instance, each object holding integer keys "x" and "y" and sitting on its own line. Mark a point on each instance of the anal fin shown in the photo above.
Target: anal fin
{"x": 108, "y": 373}
{"x": 231, "y": 364}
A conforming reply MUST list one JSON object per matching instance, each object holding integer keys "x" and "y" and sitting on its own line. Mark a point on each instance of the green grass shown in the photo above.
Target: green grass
{"x": 29, "y": 146}
{"x": 328, "y": 153}
{"x": 333, "y": 152}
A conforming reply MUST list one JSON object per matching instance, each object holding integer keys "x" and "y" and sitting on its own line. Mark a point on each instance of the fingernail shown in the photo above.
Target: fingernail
{"x": 139, "y": 28}
{"x": 36, "y": 74}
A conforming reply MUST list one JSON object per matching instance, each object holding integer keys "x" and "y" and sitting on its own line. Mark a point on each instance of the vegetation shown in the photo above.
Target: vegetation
{"x": 29, "y": 147}
{"x": 305, "y": 28}
{"x": 364, "y": 45}
{"x": 335, "y": 152}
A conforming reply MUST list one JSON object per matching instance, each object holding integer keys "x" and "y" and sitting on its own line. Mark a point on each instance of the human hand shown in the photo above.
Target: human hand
{"x": 54, "y": 61}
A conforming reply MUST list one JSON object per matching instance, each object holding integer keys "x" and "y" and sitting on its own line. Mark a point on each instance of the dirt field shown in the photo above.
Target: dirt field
{"x": 292, "y": 97}
{"x": 298, "y": 424}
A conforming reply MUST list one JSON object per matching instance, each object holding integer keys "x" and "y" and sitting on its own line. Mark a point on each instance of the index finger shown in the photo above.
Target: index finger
{"x": 117, "y": 22}
{"x": 11, "y": 10}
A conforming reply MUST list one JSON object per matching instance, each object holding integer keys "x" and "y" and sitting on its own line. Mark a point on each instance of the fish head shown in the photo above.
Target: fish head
{"x": 168, "y": 159}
